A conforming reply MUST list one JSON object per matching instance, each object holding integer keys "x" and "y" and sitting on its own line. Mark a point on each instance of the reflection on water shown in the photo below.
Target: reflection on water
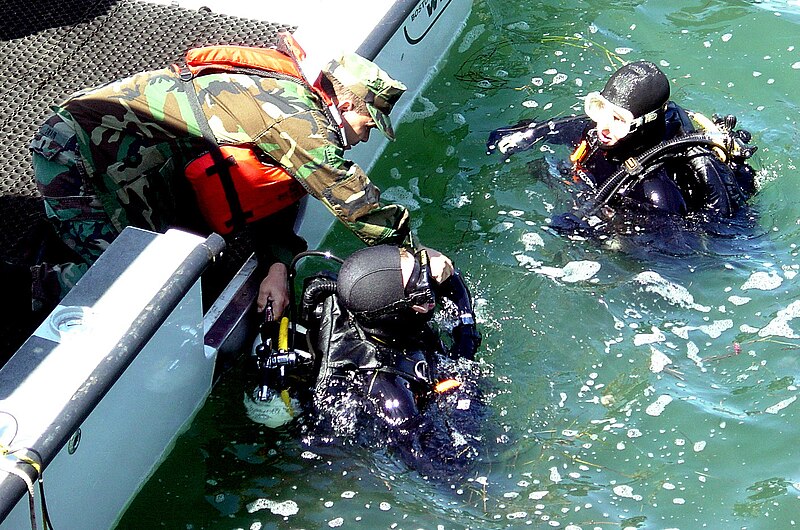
{"x": 632, "y": 389}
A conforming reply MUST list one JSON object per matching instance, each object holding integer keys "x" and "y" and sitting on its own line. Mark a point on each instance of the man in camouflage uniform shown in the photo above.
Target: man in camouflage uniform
{"x": 113, "y": 156}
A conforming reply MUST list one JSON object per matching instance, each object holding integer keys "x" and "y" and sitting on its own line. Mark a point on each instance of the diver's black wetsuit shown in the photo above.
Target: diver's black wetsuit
{"x": 381, "y": 392}
{"x": 687, "y": 180}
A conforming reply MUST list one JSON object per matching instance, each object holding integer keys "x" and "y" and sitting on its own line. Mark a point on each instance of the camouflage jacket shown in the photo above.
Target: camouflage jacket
{"x": 137, "y": 134}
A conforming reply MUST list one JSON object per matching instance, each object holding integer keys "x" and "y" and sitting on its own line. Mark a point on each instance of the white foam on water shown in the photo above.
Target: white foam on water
{"x": 501, "y": 227}
{"x": 470, "y": 37}
{"x": 531, "y": 240}
{"x": 400, "y": 195}
{"x": 693, "y": 354}
{"x": 577, "y": 271}
{"x": 738, "y": 300}
{"x": 527, "y": 261}
{"x": 521, "y": 25}
{"x": 572, "y": 272}
{"x": 428, "y": 110}
{"x": 657, "y": 407}
{"x": 460, "y": 201}
{"x": 762, "y": 281}
{"x": 626, "y": 492}
{"x": 649, "y": 338}
{"x": 658, "y": 360}
{"x": 671, "y": 292}
{"x": 713, "y": 330}
{"x": 413, "y": 185}
{"x": 779, "y": 326}
{"x": 777, "y": 407}
{"x": 285, "y": 508}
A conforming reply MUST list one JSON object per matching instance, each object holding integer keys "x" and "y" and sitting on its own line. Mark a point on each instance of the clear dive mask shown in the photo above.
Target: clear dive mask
{"x": 617, "y": 120}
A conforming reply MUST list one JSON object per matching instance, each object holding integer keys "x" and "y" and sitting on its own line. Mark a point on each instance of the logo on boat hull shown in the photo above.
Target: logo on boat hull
{"x": 422, "y": 19}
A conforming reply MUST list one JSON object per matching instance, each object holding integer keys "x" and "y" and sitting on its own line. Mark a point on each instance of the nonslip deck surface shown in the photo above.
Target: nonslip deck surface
{"x": 50, "y": 49}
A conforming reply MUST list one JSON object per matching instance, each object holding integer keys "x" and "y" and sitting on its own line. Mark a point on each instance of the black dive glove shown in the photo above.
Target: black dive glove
{"x": 570, "y": 224}
{"x": 466, "y": 341}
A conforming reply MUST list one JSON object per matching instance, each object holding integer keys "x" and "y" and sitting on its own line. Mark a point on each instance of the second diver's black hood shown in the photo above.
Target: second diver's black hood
{"x": 642, "y": 88}
{"x": 370, "y": 286}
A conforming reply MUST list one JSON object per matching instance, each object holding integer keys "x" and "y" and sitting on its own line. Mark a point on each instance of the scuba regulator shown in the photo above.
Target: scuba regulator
{"x": 276, "y": 364}
{"x": 270, "y": 403}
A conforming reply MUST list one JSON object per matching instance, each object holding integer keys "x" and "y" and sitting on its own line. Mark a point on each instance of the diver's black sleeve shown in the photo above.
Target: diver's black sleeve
{"x": 466, "y": 338}
{"x": 525, "y": 134}
{"x": 719, "y": 191}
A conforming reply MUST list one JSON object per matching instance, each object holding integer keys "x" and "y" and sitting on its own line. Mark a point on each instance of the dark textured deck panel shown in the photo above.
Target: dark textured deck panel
{"x": 50, "y": 49}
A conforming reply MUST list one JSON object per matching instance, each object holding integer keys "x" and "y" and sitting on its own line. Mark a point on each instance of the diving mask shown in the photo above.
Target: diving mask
{"x": 418, "y": 292}
{"x": 617, "y": 120}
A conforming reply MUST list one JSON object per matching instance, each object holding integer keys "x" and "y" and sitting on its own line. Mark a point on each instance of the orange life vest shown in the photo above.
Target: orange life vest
{"x": 260, "y": 189}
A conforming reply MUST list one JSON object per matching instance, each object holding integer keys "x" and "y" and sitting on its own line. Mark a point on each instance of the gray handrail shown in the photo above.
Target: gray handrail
{"x": 104, "y": 376}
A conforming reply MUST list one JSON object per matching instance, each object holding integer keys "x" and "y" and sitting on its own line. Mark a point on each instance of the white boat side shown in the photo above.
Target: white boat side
{"x": 104, "y": 387}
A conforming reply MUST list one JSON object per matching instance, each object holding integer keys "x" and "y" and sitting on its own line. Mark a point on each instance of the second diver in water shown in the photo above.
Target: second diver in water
{"x": 382, "y": 376}
{"x": 637, "y": 155}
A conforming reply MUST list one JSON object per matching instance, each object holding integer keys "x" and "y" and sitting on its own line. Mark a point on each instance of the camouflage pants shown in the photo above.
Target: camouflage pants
{"x": 71, "y": 207}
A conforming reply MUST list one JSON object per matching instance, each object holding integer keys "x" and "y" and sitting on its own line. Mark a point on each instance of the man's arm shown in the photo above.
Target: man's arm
{"x": 308, "y": 147}
{"x": 527, "y": 133}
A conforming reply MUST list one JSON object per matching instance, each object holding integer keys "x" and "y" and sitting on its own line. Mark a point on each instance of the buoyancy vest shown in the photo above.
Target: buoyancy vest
{"x": 728, "y": 145}
{"x": 255, "y": 189}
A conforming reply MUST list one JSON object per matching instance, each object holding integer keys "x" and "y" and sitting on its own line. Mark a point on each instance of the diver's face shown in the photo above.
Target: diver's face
{"x": 613, "y": 123}
{"x": 608, "y": 132}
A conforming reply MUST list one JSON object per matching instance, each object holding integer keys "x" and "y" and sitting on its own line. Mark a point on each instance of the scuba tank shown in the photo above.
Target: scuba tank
{"x": 276, "y": 364}
{"x": 270, "y": 401}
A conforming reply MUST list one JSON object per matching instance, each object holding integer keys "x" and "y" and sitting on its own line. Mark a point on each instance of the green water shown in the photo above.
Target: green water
{"x": 586, "y": 432}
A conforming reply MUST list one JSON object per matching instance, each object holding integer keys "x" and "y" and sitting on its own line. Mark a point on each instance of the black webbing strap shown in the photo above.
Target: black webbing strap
{"x": 221, "y": 163}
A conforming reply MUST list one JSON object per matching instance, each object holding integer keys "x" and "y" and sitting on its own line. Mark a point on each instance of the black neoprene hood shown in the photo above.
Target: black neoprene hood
{"x": 371, "y": 279}
{"x": 639, "y": 87}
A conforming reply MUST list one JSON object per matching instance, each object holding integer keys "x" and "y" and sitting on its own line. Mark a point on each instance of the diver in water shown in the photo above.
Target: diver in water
{"x": 382, "y": 375}
{"x": 637, "y": 155}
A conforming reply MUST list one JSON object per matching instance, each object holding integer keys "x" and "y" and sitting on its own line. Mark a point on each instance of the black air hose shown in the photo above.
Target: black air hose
{"x": 635, "y": 168}
{"x": 313, "y": 293}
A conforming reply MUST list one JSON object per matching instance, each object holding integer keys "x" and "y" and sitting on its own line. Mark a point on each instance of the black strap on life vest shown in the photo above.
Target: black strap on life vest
{"x": 222, "y": 165}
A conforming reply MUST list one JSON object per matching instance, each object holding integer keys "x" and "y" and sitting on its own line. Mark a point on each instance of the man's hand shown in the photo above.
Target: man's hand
{"x": 441, "y": 266}
{"x": 274, "y": 288}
